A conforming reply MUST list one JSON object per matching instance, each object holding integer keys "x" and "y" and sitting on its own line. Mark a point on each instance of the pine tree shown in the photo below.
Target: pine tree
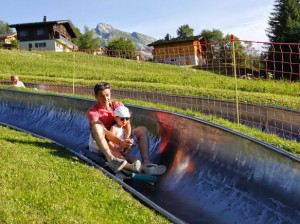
{"x": 185, "y": 31}
{"x": 284, "y": 27}
{"x": 285, "y": 22}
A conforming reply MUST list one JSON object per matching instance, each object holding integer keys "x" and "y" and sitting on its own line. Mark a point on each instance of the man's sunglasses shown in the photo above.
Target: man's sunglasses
{"x": 124, "y": 118}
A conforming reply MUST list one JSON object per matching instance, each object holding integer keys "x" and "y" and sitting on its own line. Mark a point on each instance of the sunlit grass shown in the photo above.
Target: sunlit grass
{"x": 84, "y": 69}
{"x": 44, "y": 183}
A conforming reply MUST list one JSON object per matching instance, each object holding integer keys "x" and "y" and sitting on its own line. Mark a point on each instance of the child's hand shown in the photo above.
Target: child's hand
{"x": 129, "y": 143}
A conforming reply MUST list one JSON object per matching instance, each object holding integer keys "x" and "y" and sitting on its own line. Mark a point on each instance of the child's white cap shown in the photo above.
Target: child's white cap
{"x": 121, "y": 111}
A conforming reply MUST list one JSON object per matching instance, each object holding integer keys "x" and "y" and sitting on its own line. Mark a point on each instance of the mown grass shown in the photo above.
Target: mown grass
{"x": 44, "y": 183}
{"x": 84, "y": 69}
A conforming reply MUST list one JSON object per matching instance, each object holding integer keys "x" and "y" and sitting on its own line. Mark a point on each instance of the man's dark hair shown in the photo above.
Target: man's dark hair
{"x": 101, "y": 86}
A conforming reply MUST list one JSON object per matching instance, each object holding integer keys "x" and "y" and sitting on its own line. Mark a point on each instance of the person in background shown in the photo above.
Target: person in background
{"x": 14, "y": 81}
{"x": 101, "y": 119}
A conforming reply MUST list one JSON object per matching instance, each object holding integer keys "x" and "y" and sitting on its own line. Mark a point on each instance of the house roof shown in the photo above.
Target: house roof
{"x": 7, "y": 35}
{"x": 176, "y": 40}
{"x": 66, "y": 23}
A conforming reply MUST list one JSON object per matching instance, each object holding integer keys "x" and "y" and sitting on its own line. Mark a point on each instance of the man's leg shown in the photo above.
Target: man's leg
{"x": 143, "y": 142}
{"x": 99, "y": 136}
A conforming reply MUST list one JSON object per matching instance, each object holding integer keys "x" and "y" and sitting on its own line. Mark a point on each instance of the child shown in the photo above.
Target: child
{"x": 122, "y": 118}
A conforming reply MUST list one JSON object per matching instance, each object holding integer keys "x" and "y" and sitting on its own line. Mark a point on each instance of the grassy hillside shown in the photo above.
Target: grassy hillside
{"x": 85, "y": 69}
{"x": 44, "y": 183}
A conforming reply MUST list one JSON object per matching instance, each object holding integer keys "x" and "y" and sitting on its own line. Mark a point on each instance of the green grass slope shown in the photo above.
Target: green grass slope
{"x": 84, "y": 69}
{"x": 44, "y": 183}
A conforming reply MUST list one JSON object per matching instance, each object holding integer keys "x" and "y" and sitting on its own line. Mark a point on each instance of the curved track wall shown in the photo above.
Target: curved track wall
{"x": 214, "y": 174}
{"x": 270, "y": 119}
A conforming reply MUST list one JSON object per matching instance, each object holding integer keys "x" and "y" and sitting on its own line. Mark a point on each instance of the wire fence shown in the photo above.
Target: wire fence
{"x": 252, "y": 83}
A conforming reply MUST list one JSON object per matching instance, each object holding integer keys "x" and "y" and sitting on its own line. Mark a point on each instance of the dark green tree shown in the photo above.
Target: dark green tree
{"x": 15, "y": 44}
{"x": 219, "y": 53}
{"x": 4, "y": 28}
{"x": 168, "y": 37}
{"x": 88, "y": 40}
{"x": 218, "y": 47}
{"x": 185, "y": 31}
{"x": 121, "y": 47}
{"x": 284, "y": 27}
{"x": 78, "y": 34}
{"x": 214, "y": 35}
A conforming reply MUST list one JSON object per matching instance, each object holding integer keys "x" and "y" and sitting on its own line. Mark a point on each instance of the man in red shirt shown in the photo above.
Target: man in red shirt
{"x": 101, "y": 118}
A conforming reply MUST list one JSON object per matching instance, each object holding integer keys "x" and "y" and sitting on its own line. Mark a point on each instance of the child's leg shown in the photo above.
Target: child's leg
{"x": 130, "y": 158}
{"x": 135, "y": 167}
{"x": 133, "y": 164}
{"x": 116, "y": 153}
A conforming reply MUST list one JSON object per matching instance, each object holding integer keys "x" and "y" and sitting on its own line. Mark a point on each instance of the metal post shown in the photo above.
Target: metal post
{"x": 73, "y": 71}
{"x": 234, "y": 71}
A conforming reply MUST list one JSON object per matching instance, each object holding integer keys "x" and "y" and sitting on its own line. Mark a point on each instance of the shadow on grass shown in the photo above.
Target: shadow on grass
{"x": 51, "y": 147}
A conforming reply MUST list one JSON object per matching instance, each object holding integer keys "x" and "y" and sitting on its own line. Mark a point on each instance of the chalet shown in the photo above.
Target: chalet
{"x": 180, "y": 51}
{"x": 7, "y": 38}
{"x": 46, "y": 35}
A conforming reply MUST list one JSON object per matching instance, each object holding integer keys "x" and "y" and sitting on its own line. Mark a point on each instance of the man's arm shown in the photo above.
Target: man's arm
{"x": 110, "y": 143}
{"x": 109, "y": 135}
{"x": 123, "y": 143}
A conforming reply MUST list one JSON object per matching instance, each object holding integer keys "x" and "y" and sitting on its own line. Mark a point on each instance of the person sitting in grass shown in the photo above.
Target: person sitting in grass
{"x": 14, "y": 81}
{"x": 101, "y": 119}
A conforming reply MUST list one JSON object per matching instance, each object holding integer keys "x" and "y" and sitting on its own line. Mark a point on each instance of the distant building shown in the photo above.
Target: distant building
{"x": 46, "y": 35}
{"x": 7, "y": 38}
{"x": 180, "y": 51}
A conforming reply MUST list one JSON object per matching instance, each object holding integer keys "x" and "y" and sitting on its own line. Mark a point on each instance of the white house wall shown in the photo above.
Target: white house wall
{"x": 51, "y": 45}
{"x": 178, "y": 60}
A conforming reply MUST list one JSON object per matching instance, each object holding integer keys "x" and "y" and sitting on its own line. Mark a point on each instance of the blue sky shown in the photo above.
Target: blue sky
{"x": 246, "y": 19}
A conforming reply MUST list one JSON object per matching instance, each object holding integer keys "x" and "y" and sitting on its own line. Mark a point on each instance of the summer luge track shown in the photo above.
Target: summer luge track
{"x": 214, "y": 174}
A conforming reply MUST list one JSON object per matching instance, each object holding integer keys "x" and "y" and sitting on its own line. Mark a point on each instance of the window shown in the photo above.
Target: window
{"x": 40, "y": 45}
{"x": 40, "y": 32}
{"x": 23, "y": 33}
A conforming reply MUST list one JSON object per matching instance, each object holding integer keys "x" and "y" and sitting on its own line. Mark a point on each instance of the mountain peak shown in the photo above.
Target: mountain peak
{"x": 107, "y": 32}
{"x": 105, "y": 28}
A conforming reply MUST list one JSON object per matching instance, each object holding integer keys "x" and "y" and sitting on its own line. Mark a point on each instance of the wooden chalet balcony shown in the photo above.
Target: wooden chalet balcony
{"x": 66, "y": 42}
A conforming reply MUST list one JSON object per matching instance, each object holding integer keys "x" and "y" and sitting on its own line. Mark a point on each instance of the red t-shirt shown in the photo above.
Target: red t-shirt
{"x": 95, "y": 113}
